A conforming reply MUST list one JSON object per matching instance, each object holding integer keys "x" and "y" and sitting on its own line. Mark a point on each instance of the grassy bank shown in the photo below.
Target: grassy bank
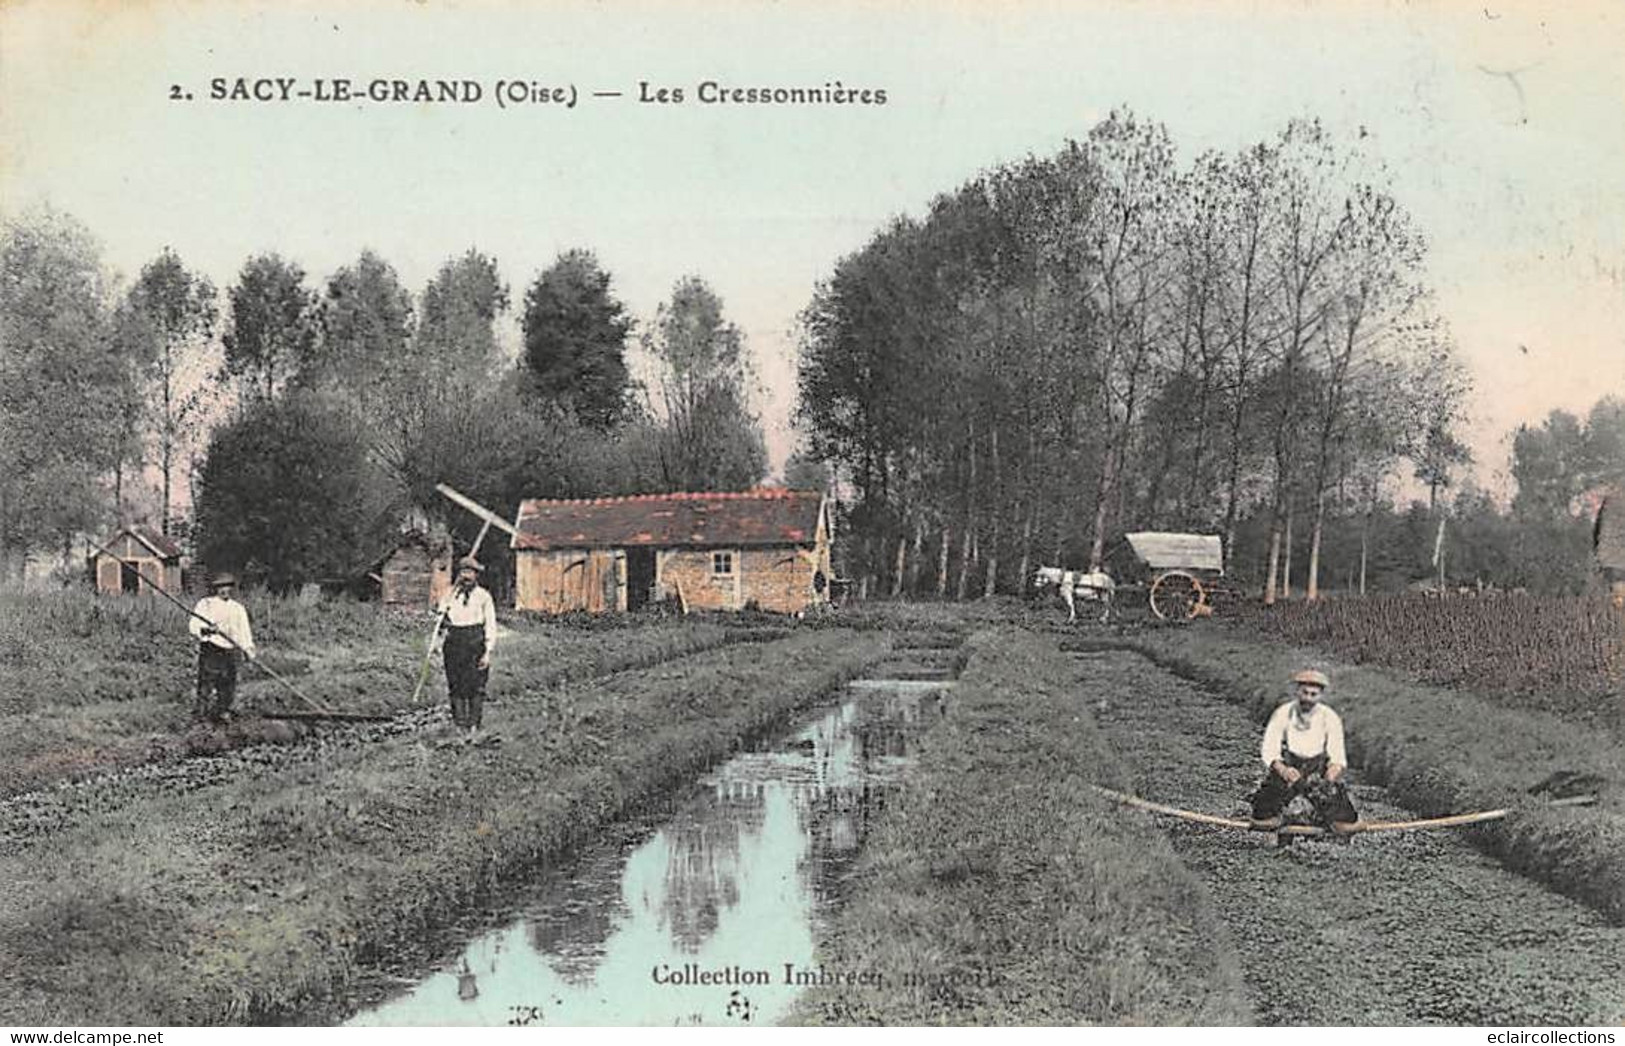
{"x": 1442, "y": 751}
{"x": 238, "y": 902}
{"x": 94, "y": 684}
{"x": 1008, "y": 890}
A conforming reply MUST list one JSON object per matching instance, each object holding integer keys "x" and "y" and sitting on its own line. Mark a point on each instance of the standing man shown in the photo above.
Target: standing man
{"x": 1303, "y": 755}
{"x": 471, "y": 633}
{"x": 224, "y": 639}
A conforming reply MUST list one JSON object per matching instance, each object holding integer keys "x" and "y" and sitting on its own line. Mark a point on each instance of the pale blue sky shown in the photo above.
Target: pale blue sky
{"x": 1522, "y": 194}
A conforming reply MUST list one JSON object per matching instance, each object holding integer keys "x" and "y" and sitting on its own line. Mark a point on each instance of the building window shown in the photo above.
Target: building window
{"x": 722, "y": 564}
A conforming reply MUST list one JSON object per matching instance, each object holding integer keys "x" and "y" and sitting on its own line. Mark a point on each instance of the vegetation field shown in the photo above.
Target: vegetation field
{"x": 1404, "y": 928}
{"x": 999, "y": 888}
{"x": 90, "y": 683}
{"x": 188, "y": 875}
{"x": 1559, "y": 654}
{"x": 241, "y": 899}
{"x": 1001, "y": 872}
{"x": 1442, "y": 751}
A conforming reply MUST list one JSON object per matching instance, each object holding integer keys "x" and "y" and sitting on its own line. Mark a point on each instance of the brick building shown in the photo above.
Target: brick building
{"x": 768, "y": 549}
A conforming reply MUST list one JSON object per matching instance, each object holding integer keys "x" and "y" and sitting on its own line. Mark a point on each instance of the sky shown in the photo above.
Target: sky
{"x": 1501, "y": 126}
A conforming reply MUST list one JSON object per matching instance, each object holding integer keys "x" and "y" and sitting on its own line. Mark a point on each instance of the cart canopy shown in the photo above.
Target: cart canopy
{"x": 1168, "y": 551}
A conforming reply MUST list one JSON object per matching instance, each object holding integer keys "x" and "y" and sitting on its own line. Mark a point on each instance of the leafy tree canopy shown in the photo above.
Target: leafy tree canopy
{"x": 575, "y": 339}
{"x": 273, "y": 330}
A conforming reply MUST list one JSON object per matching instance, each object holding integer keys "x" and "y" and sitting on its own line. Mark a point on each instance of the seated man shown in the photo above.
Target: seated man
{"x": 1303, "y": 755}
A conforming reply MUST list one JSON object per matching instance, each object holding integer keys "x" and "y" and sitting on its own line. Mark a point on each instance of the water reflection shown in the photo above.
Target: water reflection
{"x": 694, "y": 925}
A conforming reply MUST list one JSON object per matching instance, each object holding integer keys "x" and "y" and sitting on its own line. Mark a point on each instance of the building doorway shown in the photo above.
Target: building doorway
{"x": 640, "y": 577}
{"x": 129, "y": 577}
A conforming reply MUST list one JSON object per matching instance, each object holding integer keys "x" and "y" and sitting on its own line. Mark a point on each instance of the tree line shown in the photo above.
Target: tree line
{"x": 1106, "y": 340}
{"x": 311, "y": 420}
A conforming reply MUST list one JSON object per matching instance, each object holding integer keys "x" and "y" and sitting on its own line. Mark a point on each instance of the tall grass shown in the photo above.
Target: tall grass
{"x": 91, "y": 683}
{"x": 77, "y": 647}
{"x": 1554, "y": 653}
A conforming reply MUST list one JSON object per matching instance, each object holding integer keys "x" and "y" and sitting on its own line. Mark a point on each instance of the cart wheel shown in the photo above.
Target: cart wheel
{"x": 1177, "y": 596}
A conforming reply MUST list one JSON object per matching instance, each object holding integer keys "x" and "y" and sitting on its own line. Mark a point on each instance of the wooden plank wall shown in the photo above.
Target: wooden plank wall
{"x": 572, "y": 579}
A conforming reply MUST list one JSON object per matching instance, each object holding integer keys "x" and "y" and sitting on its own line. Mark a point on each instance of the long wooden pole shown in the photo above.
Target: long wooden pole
{"x": 193, "y": 613}
{"x": 1452, "y": 821}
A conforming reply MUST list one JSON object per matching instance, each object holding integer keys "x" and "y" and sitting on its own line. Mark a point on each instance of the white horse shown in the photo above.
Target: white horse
{"x": 1095, "y": 586}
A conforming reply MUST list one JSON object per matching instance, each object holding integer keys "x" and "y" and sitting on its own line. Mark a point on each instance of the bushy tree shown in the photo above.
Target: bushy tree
{"x": 712, "y": 442}
{"x": 272, "y": 334}
{"x": 1604, "y": 454}
{"x": 288, "y": 494}
{"x": 457, "y": 317}
{"x": 65, "y": 390}
{"x": 366, "y": 336}
{"x": 805, "y": 472}
{"x": 1549, "y": 464}
{"x": 575, "y": 340}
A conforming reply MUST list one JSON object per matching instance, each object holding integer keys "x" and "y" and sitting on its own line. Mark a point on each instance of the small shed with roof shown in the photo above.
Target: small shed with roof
{"x": 416, "y": 571}
{"x": 1608, "y": 538}
{"x": 768, "y": 549}
{"x": 135, "y": 559}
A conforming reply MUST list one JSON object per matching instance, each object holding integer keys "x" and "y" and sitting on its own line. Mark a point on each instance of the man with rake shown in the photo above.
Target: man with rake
{"x": 470, "y": 616}
{"x": 220, "y": 625}
{"x": 1303, "y": 754}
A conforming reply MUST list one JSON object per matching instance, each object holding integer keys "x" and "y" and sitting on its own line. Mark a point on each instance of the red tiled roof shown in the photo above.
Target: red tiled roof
{"x": 752, "y": 517}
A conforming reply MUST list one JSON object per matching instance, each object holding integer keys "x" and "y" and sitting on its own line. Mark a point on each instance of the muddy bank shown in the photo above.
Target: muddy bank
{"x": 1394, "y": 929}
{"x": 234, "y": 903}
{"x": 999, "y": 888}
{"x": 1441, "y": 752}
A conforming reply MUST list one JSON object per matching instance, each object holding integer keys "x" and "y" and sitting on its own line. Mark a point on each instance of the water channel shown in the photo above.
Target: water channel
{"x": 711, "y": 919}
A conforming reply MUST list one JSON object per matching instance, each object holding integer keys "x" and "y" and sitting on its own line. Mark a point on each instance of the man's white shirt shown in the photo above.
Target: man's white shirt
{"x": 1318, "y": 733}
{"x": 477, "y": 609}
{"x": 230, "y": 619}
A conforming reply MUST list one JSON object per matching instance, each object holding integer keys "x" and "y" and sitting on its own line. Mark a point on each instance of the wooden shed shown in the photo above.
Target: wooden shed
{"x": 1608, "y": 539}
{"x": 415, "y": 573}
{"x": 148, "y": 558}
{"x": 768, "y": 549}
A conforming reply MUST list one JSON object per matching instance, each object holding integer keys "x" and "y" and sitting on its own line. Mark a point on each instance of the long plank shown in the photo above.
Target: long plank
{"x": 1452, "y": 821}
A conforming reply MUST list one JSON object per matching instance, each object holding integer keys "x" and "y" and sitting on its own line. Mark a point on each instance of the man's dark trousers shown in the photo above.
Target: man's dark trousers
{"x": 1329, "y": 798}
{"x": 465, "y": 645}
{"x": 216, "y": 681}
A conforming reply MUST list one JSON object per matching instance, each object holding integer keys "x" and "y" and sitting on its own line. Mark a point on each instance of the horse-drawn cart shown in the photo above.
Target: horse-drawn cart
{"x": 1182, "y": 574}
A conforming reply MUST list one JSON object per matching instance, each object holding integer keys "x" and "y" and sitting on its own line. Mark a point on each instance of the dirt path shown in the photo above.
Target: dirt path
{"x": 1399, "y": 929}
